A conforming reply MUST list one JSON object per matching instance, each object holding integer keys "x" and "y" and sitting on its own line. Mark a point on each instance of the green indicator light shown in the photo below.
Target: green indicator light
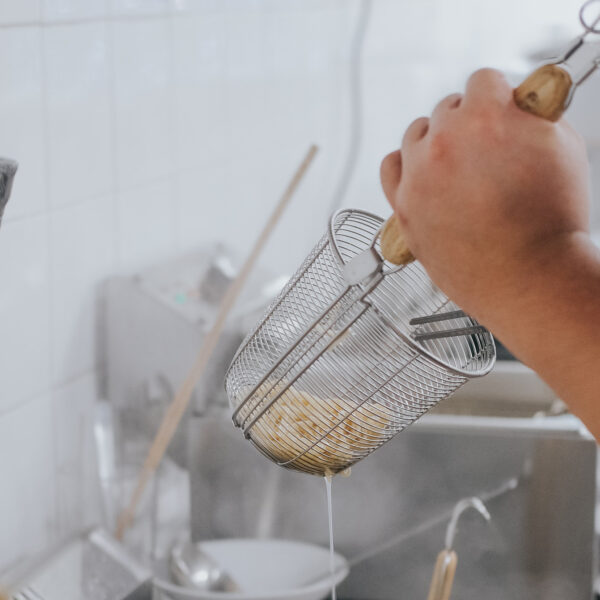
{"x": 180, "y": 298}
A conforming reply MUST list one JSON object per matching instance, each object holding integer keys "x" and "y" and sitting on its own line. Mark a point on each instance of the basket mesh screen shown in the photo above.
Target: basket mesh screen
{"x": 330, "y": 373}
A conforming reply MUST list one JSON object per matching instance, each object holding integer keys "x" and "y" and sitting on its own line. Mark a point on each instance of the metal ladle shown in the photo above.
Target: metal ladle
{"x": 193, "y": 568}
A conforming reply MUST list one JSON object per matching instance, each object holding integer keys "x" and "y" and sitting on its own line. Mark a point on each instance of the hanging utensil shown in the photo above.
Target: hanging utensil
{"x": 445, "y": 565}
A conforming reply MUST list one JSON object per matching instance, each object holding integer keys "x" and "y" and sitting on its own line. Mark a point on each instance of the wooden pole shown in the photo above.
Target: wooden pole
{"x": 177, "y": 407}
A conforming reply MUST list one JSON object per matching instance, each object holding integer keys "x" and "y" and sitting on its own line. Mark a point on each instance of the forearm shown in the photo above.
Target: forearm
{"x": 549, "y": 316}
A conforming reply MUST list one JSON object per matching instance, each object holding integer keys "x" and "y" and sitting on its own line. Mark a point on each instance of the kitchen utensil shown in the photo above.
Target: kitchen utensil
{"x": 265, "y": 570}
{"x": 27, "y": 593}
{"x": 177, "y": 407}
{"x": 89, "y": 565}
{"x": 445, "y": 565}
{"x": 192, "y": 567}
{"x": 548, "y": 91}
{"x": 352, "y": 351}
{"x": 355, "y": 349}
{"x": 8, "y": 168}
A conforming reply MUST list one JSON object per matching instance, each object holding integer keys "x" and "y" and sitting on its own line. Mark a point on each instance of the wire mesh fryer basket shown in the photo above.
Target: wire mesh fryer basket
{"x": 333, "y": 370}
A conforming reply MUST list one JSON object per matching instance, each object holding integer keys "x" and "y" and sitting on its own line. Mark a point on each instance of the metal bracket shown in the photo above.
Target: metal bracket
{"x": 362, "y": 266}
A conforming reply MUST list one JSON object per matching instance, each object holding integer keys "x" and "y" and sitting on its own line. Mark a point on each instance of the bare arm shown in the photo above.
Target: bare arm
{"x": 495, "y": 204}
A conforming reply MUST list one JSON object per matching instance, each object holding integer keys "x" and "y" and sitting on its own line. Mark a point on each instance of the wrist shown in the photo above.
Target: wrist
{"x": 550, "y": 285}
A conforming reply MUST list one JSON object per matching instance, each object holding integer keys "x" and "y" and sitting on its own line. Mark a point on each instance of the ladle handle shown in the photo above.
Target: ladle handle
{"x": 443, "y": 576}
{"x": 544, "y": 93}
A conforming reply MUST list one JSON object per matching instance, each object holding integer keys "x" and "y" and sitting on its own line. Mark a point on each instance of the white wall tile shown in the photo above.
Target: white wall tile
{"x": 143, "y": 98}
{"x": 245, "y": 44}
{"x": 250, "y": 194}
{"x": 78, "y": 498}
{"x": 21, "y": 117}
{"x": 201, "y": 116}
{"x": 584, "y": 104}
{"x": 146, "y": 225}
{"x": 204, "y": 7}
{"x": 283, "y": 54}
{"x": 141, "y": 7}
{"x": 203, "y": 209}
{"x": 19, "y": 11}
{"x": 59, "y": 10}
{"x": 78, "y": 112}
{"x": 82, "y": 248}
{"x": 24, "y": 319}
{"x": 28, "y": 484}
{"x": 246, "y": 106}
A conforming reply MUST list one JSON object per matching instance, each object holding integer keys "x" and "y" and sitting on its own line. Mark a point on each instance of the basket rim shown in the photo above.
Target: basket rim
{"x": 331, "y": 232}
{"x": 331, "y": 240}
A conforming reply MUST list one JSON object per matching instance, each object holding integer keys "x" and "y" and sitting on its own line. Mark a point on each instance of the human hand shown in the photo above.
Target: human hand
{"x": 487, "y": 194}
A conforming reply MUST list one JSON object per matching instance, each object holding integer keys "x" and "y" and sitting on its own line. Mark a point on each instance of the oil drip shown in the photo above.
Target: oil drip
{"x": 328, "y": 479}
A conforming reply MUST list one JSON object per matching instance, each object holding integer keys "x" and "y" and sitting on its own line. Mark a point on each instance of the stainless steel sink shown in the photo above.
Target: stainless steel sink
{"x": 540, "y": 543}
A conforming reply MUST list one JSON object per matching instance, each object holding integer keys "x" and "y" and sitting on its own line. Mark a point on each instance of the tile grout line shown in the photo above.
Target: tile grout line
{"x": 173, "y": 12}
{"x": 53, "y": 527}
{"x": 65, "y": 22}
{"x": 173, "y": 139}
{"x": 101, "y": 376}
{"x": 110, "y": 44}
{"x": 52, "y": 389}
{"x": 148, "y": 183}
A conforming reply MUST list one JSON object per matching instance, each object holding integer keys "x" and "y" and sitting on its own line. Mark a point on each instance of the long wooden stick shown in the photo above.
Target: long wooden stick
{"x": 177, "y": 407}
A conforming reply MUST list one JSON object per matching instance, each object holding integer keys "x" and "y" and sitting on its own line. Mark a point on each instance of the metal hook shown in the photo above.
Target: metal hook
{"x": 589, "y": 28}
{"x": 459, "y": 509}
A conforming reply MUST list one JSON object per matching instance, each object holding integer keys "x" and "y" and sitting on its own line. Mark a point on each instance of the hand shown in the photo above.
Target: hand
{"x": 487, "y": 194}
{"x": 494, "y": 202}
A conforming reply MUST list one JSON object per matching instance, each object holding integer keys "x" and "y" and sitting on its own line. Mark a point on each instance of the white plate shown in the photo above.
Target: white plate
{"x": 266, "y": 570}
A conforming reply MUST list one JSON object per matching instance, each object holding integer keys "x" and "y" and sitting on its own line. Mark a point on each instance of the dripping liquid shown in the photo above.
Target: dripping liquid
{"x": 328, "y": 479}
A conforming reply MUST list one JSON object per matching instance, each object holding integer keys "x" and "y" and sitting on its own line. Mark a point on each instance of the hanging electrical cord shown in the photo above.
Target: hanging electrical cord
{"x": 356, "y": 104}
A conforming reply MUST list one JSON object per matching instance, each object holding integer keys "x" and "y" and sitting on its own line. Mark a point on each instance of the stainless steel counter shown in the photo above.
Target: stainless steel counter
{"x": 540, "y": 543}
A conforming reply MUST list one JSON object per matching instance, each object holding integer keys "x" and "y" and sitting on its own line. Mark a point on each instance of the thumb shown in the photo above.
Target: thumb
{"x": 390, "y": 173}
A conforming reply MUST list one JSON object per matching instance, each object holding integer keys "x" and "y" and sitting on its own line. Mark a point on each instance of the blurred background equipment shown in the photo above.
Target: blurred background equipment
{"x": 156, "y": 321}
{"x": 522, "y": 467}
{"x": 8, "y": 168}
{"x": 87, "y": 566}
{"x": 472, "y": 444}
{"x": 264, "y": 569}
{"x": 180, "y": 401}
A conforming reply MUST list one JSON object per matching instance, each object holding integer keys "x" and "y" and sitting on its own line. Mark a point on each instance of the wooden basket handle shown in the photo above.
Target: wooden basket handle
{"x": 544, "y": 93}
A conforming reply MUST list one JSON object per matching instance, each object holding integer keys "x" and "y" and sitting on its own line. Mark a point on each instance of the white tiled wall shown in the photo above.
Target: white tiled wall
{"x": 144, "y": 128}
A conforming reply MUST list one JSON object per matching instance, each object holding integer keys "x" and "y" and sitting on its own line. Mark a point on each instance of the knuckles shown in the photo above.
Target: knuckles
{"x": 440, "y": 145}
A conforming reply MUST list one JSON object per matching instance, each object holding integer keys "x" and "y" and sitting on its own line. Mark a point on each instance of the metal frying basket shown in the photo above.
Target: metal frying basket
{"x": 352, "y": 351}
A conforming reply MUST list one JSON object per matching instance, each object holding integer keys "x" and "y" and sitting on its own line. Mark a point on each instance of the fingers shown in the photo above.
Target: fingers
{"x": 487, "y": 86}
{"x": 415, "y": 132}
{"x": 443, "y": 107}
{"x": 391, "y": 173}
